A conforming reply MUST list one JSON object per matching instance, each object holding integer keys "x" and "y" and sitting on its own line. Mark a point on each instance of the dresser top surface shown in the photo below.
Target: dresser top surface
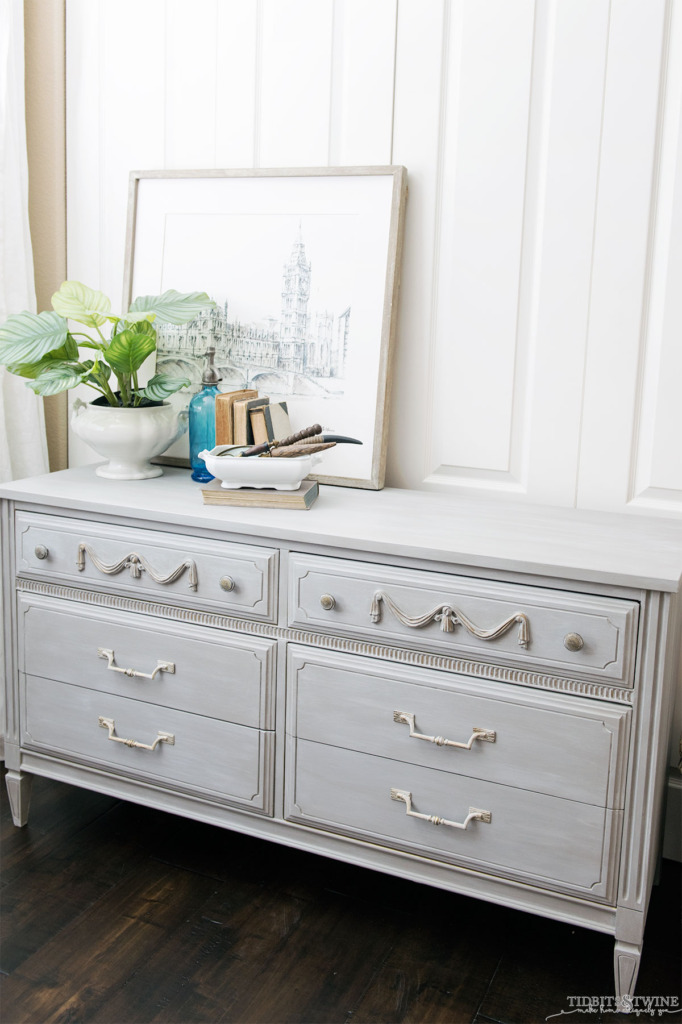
{"x": 463, "y": 530}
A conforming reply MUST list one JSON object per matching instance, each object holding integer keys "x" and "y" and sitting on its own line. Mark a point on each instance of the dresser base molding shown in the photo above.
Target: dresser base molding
{"x": 306, "y": 753}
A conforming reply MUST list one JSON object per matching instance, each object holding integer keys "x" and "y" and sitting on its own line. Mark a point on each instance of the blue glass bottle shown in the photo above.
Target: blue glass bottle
{"x": 202, "y": 419}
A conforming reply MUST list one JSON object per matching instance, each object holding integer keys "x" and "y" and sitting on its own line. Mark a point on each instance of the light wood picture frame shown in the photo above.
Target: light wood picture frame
{"x": 303, "y": 264}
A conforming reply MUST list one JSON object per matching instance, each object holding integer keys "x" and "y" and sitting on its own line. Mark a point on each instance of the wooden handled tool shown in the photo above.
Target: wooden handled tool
{"x": 291, "y": 451}
{"x": 338, "y": 438}
{"x": 267, "y": 446}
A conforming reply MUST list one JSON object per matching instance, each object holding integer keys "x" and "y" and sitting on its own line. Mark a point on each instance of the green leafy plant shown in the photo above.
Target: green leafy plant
{"x": 42, "y": 348}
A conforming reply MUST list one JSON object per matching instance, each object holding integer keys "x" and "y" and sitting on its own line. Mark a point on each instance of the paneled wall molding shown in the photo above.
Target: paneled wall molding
{"x": 655, "y": 477}
{"x": 626, "y": 458}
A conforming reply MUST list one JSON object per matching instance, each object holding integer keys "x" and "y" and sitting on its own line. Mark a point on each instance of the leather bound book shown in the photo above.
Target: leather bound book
{"x": 224, "y": 414}
{"x": 261, "y": 425}
{"x": 242, "y": 432}
{"x": 279, "y": 419}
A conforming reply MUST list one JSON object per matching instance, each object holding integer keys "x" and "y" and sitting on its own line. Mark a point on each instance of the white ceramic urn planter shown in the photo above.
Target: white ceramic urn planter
{"x": 128, "y": 437}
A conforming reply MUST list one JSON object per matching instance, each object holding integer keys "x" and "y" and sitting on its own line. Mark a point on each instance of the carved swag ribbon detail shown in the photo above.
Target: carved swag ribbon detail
{"x": 137, "y": 564}
{"x": 450, "y": 617}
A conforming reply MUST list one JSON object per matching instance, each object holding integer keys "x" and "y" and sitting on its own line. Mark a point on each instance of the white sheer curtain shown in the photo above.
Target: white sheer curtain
{"x": 23, "y": 447}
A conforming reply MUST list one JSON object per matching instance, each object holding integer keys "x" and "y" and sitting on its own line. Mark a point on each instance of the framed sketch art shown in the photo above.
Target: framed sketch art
{"x": 303, "y": 266}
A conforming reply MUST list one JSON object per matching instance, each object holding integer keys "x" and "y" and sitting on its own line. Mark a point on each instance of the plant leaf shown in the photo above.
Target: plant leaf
{"x": 96, "y": 372}
{"x": 128, "y": 350}
{"x": 26, "y": 337}
{"x": 76, "y": 301}
{"x": 135, "y": 318}
{"x": 173, "y": 307}
{"x": 98, "y": 345}
{"x": 68, "y": 352}
{"x": 33, "y": 370}
{"x": 161, "y": 387}
{"x": 57, "y": 378}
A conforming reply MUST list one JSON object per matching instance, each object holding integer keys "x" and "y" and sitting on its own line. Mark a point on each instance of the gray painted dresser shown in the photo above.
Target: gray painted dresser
{"x": 471, "y": 695}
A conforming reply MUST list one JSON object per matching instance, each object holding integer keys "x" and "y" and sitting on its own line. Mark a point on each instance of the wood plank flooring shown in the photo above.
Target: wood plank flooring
{"x": 116, "y": 914}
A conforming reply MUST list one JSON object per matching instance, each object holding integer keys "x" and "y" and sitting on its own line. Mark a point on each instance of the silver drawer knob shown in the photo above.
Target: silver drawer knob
{"x": 573, "y": 642}
{"x": 41, "y": 551}
{"x": 227, "y": 583}
{"x": 327, "y": 602}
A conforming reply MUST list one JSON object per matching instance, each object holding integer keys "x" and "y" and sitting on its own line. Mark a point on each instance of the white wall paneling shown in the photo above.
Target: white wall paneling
{"x": 361, "y": 128}
{"x": 295, "y": 82}
{"x": 561, "y": 191}
{"x": 421, "y": 65}
{"x": 538, "y": 350}
{"x": 237, "y": 75}
{"x": 189, "y": 98}
{"x": 623, "y": 237}
{"x": 657, "y": 478}
{"x": 487, "y": 93}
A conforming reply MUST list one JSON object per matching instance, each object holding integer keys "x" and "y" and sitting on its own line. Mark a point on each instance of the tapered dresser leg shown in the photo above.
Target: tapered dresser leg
{"x": 19, "y": 788}
{"x": 626, "y": 967}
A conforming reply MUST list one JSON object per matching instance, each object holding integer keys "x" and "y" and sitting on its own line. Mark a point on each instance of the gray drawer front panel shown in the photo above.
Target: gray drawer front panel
{"x": 559, "y": 745}
{"x": 541, "y": 839}
{"x": 212, "y": 673}
{"x": 362, "y": 595}
{"x": 229, "y": 762}
{"x": 200, "y": 564}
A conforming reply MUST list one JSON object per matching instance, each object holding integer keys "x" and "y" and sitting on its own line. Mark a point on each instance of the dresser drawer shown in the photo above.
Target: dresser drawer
{"x": 230, "y": 763}
{"x": 522, "y": 626}
{"x": 560, "y": 844}
{"x": 553, "y": 744}
{"x": 235, "y": 579}
{"x": 203, "y": 671}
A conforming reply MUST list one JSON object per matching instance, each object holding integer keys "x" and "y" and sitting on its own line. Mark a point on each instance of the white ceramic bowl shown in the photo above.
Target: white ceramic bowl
{"x": 257, "y": 471}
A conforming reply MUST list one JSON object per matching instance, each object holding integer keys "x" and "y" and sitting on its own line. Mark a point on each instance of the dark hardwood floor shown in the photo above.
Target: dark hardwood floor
{"x": 113, "y": 913}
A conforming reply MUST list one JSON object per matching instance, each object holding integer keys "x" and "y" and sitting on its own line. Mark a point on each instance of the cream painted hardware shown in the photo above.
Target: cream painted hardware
{"x": 41, "y": 551}
{"x": 573, "y": 642}
{"x": 161, "y": 666}
{"x": 227, "y": 583}
{"x": 137, "y": 565}
{"x": 407, "y": 718}
{"x": 328, "y": 602}
{"x": 473, "y": 815}
{"x": 449, "y": 618}
{"x": 161, "y": 737}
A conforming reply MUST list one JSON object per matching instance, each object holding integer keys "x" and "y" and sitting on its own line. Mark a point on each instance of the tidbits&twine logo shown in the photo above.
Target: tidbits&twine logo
{"x": 654, "y": 1006}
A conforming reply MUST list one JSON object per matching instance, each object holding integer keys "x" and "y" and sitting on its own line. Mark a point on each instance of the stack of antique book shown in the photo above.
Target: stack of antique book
{"x": 245, "y": 417}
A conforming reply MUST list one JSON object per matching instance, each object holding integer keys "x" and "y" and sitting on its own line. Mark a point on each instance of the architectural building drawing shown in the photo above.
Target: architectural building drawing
{"x": 300, "y": 351}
